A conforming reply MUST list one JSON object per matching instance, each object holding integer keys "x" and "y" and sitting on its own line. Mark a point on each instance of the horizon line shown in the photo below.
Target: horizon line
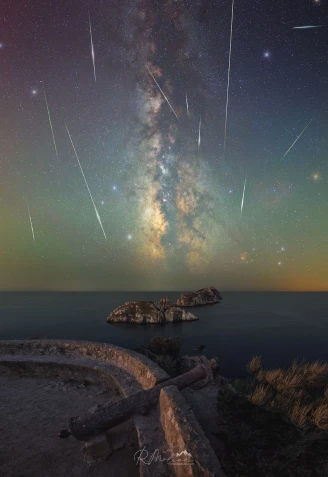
{"x": 157, "y": 291}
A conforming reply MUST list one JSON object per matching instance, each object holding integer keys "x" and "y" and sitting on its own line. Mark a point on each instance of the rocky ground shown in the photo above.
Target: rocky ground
{"x": 34, "y": 410}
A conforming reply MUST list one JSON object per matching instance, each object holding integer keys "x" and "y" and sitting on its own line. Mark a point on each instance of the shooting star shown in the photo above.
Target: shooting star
{"x": 307, "y": 27}
{"x": 187, "y": 104}
{"x": 86, "y": 183}
{"x": 199, "y": 128}
{"x": 228, "y": 80}
{"x": 168, "y": 102}
{"x": 242, "y": 200}
{"x": 52, "y": 130}
{"x": 29, "y": 214}
{"x": 92, "y": 50}
{"x": 308, "y": 124}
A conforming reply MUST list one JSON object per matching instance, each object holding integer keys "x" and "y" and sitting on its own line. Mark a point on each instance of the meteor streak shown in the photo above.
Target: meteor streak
{"x": 200, "y": 124}
{"x": 187, "y": 104}
{"x": 308, "y": 124}
{"x": 228, "y": 81}
{"x": 168, "y": 102}
{"x": 29, "y": 214}
{"x": 307, "y": 27}
{"x": 92, "y": 50}
{"x": 86, "y": 183}
{"x": 242, "y": 200}
{"x": 52, "y": 131}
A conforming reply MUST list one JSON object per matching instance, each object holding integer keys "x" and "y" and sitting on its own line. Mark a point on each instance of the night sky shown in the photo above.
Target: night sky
{"x": 152, "y": 201}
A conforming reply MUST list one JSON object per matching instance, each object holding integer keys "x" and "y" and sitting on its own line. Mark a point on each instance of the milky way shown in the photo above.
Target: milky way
{"x": 171, "y": 188}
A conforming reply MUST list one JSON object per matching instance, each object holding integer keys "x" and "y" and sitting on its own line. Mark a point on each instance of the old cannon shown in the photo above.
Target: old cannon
{"x": 101, "y": 420}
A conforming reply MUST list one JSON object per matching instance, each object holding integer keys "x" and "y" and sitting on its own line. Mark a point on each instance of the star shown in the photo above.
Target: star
{"x": 266, "y": 54}
{"x": 34, "y": 92}
{"x": 114, "y": 188}
{"x": 129, "y": 237}
{"x": 279, "y": 263}
{"x": 315, "y": 176}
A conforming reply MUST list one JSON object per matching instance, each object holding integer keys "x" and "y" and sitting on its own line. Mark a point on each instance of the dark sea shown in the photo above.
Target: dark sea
{"x": 278, "y": 326}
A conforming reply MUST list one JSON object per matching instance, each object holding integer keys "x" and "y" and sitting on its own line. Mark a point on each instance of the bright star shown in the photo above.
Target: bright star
{"x": 114, "y": 188}
{"x": 1, "y": 45}
{"x": 266, "y": 54}
{"x": 129, "y": 237}
{"x": 34, "y": 92}
{"x": 279, "y": 263}
{"x": 316, "y": 176}
{"x": 163, "y": 169}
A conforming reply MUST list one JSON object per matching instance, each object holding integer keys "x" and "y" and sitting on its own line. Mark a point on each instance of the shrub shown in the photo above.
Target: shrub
{"x": 169, "y": 346}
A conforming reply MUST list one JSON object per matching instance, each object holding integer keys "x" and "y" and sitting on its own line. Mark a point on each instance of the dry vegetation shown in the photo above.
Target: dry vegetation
{"x": 276, "y": 423}
{"x": 300, "y": 392}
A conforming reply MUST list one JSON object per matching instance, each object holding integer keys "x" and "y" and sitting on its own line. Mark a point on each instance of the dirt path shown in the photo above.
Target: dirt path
{"x": 34, "y": 410}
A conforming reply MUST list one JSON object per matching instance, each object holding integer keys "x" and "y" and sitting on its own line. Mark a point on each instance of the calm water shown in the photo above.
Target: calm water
{"x": 278, "y": 326}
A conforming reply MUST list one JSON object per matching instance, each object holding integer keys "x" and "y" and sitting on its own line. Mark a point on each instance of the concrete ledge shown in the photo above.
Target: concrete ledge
{"x": 183, "y": 433}
{"x": 146, "y": 372}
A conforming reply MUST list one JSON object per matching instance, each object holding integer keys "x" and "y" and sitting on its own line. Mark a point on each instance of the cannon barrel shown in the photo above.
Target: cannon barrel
{"x": 101, "y": 420}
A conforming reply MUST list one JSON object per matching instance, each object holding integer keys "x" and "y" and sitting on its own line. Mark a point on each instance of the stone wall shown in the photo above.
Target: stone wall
{"x": 185, "y": 436}
{"x": 146, "y": 372}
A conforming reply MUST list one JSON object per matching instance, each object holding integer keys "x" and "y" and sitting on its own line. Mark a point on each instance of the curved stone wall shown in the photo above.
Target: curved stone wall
{"x": 145, "y": 371}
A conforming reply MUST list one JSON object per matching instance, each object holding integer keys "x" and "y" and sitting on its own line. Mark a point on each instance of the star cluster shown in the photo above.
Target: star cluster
{"x": 141, "y": 196}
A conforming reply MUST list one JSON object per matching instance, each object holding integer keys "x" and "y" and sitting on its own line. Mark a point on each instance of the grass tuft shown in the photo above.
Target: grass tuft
{"x": 255, "y": 365}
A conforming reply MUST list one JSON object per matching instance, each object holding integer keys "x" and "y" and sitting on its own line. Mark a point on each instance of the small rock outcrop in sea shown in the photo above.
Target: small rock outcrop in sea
{"x": 205, "y": 296}
{"x": 143, "y": 312}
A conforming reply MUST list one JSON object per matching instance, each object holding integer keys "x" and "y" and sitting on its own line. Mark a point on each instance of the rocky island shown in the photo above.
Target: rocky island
{"x": 205, "y": 296}
{"x": 143, "y": 312}
{"x": 164, "y": 311}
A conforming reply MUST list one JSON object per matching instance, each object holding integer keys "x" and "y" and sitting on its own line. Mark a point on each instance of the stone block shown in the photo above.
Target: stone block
{"x": 96, "y": 450}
